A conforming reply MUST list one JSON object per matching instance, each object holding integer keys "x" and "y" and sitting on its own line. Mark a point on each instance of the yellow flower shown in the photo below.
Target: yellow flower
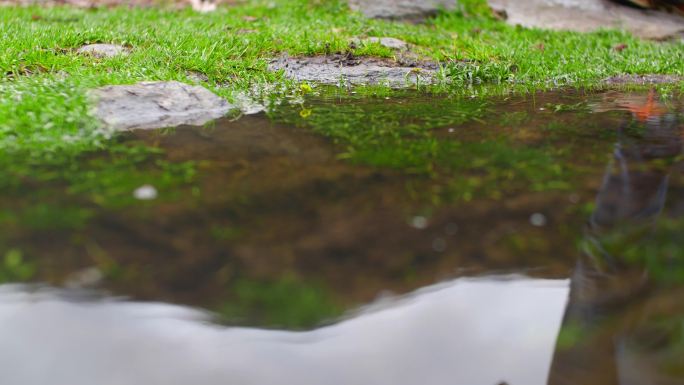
{"x": 305, "y": 88}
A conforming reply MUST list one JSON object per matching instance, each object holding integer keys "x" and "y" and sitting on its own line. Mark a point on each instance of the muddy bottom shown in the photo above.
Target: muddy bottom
{"x": 553, "y": 222}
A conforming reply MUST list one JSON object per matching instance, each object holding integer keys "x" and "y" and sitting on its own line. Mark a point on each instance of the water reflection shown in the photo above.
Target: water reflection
{"x": 466, "y": 331}
{"x": 285, "y": 221}
{"x": 634, "y": 187}
{"x": 618, "y": 329}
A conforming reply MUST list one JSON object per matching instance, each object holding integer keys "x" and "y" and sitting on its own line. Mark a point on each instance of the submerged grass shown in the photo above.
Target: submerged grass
{"x": 654, "y": 247}
{"x": 428, "y": 137}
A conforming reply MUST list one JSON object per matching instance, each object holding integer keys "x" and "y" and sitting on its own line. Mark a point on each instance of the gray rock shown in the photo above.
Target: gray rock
{"x": 589, "y": 15}
{"x": 400, "y": 9}
{"x": 339, "y": 69}
{"x": 644, "y": 79}
{"x": 103, "y": 50}
{"x": 248, "y": 105}
{"x": 388, "y": 42}
{"x": 150, "y": 105}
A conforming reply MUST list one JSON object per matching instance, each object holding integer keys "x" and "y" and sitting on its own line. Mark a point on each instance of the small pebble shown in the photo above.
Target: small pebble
{"x": 538, "y": 219}
{"x": 145, "y": 193}
{"x": 419, "y": 222}
{"x": 389, "y": 42}
{"x": 439, "y": 245}
{"x": 103, "y": 50}
{"x": 88, "y": 277}
{"x": 451, "y": 228}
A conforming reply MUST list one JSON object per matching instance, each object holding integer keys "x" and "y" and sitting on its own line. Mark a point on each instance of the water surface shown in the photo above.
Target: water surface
{"x": 294, "y": 218}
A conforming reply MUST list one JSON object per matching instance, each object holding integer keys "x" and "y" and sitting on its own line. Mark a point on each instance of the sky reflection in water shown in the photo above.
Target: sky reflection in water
{"x": 466, "y": 331}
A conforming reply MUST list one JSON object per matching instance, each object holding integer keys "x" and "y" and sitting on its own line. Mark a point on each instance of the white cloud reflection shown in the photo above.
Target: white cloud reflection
{"x": 466, "y": 331}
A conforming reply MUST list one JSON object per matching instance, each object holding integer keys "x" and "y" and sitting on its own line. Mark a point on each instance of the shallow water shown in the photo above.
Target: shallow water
{"x": 294, "y": 218}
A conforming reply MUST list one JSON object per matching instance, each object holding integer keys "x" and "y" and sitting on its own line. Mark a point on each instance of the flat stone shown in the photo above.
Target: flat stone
{"x": 103, "y": 50}
{"x": 343, "y": 70}
{"x": 401, "y": 9}
{"x": 150, "y": 105}
{"x": 644, "y": 79}
{"x": 589, "y": 15}
{"x": 388, "y": 42}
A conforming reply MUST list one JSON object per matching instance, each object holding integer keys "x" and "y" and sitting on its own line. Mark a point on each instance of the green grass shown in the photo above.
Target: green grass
{"x": 42, "y": 98}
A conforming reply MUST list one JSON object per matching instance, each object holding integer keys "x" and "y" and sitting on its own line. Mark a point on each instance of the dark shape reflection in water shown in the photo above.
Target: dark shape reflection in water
{"x": 467, "y": 331}
{"x": 629, "y": 272}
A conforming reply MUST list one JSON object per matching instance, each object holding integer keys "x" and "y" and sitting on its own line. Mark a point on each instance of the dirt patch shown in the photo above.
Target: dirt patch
{"x": 197, "y": 76}
{"x": 643, "y": 79}
{"x": 103, "y": 50}
{"x": 344, "y": 69}
{"x": 25, "y": 70}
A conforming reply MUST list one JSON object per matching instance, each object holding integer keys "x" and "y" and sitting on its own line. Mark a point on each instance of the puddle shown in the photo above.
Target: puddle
{"x": 296, "y": 218}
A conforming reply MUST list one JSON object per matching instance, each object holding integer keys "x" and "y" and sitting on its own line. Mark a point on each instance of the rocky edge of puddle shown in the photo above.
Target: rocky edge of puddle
{"x": 347, "y": 70}
{"x": 149, "y": 105}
